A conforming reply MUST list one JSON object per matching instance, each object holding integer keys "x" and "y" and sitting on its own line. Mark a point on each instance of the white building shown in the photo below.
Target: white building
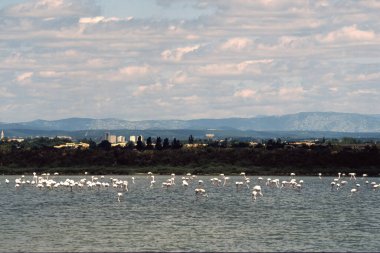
{"x": 135, "y": 138}
{"x": 210, "y": 136}
{"x": 120, "y": 139}
{"x": 112, "y": 139}
{"x": 2, "y": 135}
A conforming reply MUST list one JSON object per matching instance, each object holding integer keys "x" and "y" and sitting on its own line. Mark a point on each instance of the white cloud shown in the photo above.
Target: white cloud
{"x": 91, "y": 20}
{"x": 178, "y": 53}
{"x": 237, "y": 56}
{"x": 291, "y": 93}
{"x": 51, "y": 8}
{"x": 245, "y": 93}
{"x": 101, "y": 19}
{"x": 146, "y": 89}
{"x": 236, "y": 44}
{"x": 50, "y": 74}
{"x": 251, "y": 67}
{"x": 188, "y": 100}
{"x": 347, "y": 33}
{"x": 135, "y": 71}
{"x": 24, "y": 77}
{"x": 364, "y": 77}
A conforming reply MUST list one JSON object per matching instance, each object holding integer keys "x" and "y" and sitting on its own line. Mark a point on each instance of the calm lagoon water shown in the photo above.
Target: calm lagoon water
{"x": 313, "y": 219}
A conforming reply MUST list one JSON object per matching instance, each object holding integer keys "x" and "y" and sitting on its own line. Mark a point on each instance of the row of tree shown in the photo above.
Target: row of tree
{"x": 327, "y": 160}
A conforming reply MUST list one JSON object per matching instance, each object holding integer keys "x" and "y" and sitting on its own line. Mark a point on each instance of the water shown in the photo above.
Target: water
{"x": 314, "y": 219}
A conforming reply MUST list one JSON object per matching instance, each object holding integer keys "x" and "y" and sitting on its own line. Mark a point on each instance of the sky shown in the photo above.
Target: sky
{"x": 187, "y": 59}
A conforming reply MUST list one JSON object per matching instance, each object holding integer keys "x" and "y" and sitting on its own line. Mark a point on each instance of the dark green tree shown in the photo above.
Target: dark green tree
{"x": 131, "y": 145}
{"x": 166, "y": 144}
{"x": 191, "y": 139}
{"x": 140, "y": 144}
{"x": 176, "y": 144}
{"x": 158, "y": 143}
{"x": 105, "y": 145}
{"x": 149, "y": 143}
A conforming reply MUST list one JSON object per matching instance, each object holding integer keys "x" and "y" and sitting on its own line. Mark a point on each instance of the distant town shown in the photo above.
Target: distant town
{"x": 114, "y": 154}
{"x": 209, "y": 139}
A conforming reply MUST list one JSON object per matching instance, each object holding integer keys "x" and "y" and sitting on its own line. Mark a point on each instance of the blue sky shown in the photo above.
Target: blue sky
{"x": 186, "y": 59}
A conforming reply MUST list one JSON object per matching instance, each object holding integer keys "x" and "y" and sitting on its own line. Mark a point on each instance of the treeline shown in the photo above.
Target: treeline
{"x": 260, "y": 160}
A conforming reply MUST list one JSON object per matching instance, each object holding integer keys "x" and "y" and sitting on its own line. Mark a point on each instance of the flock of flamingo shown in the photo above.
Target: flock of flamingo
{"x": 47, "y": 181}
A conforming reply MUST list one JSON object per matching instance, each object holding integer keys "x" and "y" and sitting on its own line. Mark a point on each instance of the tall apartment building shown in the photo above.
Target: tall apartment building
{"x": 135, "y": 138}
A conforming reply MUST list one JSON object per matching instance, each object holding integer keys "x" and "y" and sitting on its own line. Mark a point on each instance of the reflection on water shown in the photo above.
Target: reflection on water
{"x": 315, "y": 218}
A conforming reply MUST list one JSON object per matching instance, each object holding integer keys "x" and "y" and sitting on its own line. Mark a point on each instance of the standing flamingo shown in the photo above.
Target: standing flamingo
{"x": 256, "y": 191}
{"x": 119, "y": 195}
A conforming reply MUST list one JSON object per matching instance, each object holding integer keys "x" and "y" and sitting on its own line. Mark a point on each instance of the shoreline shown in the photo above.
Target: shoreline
{"x": 182, "y": 171}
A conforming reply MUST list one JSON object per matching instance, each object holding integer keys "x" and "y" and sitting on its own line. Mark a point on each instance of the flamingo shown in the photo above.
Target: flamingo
{"x": 35, "y": 178}
{"x": 256, "y": 191}
{"x": 166, "y": 184}
{"x": 224, "y": 179}
{"x": 200, "y": 192}
{"x": 119, "y": 195}
{"x": 152, "y": 182}
{"x": 332, "y": 185}
{"x": 247, "y": 181}
{"x": 238, "y": 185}
{"x": 254, "y": 194}
{"x": 355, "y": 190}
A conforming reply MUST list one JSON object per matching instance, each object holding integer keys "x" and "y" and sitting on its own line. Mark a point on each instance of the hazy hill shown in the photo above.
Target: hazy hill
{"x": 305, "y": 121}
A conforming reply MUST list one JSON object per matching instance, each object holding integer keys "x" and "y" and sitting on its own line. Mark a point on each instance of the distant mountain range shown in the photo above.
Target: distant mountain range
{"x": 305, "y": 121}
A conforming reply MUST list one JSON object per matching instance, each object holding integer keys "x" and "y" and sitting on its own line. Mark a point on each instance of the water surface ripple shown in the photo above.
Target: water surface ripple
{"x": 158, "y": 219}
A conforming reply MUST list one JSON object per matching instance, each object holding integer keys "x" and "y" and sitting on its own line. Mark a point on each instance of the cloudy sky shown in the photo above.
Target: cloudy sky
{"x": 186, "y": 59}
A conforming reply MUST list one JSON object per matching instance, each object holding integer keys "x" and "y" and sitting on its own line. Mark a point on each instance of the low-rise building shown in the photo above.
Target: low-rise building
{"x": 73, "y": 145}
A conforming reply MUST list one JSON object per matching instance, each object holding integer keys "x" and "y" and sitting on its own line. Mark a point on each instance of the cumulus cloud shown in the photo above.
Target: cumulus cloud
{"x": 101, "y": 19}
{"x": 24, "y": 77}
{"x": 229, "y": 58}
{"x": 178, "y": 53}
{"x": 228, "y": 69}
{"x": 135, "y": 71}
{"x": 52, "y": 8}
{"x": 245, "y": 93}
{"x": 50, "y": 74}
{"x": 236, "y": 44}
{"x": 347, "y": 33}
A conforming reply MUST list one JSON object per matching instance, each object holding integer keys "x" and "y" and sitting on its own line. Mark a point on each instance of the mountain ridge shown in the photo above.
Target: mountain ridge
{"x": 303, "y": 121}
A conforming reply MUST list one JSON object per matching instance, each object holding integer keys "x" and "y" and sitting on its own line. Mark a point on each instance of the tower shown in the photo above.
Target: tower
{"x": 2, "y": 135}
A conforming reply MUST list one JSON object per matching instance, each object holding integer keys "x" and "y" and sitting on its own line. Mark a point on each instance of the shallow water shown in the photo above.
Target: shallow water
{"x": 158, "y": 219}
